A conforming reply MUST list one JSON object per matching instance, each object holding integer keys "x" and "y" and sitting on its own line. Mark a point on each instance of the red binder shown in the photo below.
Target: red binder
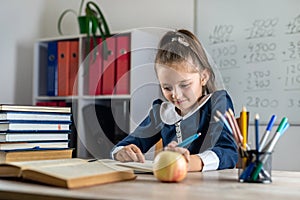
{"x": 85, "y": 66}
{"x": 74, "y": 60}
{"x": 95, "y": 68}
{"x": 123, "y": 65}
{"x": 108, "y": 76}
{"x": 63, "y": 67}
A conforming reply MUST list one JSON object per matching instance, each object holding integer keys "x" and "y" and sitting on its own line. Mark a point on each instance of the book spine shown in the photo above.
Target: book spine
{"x": 52, "y": 69}
{"x": 51, "y": 103}
{"x": 34, "y": 137}
{"x": 74, "y": 61}
{"x": 35, "y": 116}
{"x": 95, "y": 68}
{"x": 63, "y": 67}
{"x": 122, "y": 65}
{"x": 108, "y": 76}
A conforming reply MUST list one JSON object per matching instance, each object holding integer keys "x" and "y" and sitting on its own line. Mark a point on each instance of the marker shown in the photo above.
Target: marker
{"x": 269, "y": 148}
{"x": 280, "y": 130}
{"x": 285, "y": 127}
{"x": 189, "y": 140}
{"x": 267, "y": 132}
{"x": 256, "y": 171}
{"x": 247, "y": 172}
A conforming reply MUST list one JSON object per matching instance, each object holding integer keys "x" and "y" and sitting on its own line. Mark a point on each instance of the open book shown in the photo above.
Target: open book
{"x": 68, "y": 173}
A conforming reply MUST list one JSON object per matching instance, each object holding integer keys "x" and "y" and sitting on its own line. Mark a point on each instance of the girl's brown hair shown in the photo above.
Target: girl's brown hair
{"x": 183, "y": 46}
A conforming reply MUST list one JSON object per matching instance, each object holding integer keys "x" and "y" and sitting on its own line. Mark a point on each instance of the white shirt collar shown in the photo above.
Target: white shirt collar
{"x": 169, "y": 115}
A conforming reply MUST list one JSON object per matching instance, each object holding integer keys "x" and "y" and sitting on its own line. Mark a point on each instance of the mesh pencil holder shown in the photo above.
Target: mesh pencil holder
{"x": 256, "y": 167}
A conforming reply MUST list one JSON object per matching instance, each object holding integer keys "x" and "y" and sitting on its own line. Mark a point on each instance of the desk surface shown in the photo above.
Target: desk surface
{"x": 207, "y": 185}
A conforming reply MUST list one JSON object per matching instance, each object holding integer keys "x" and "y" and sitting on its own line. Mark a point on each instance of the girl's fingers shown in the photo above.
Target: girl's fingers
{"x": 130, "y": 153}
{"x": 172, "y": 146}
{"x": 135, "y": 153}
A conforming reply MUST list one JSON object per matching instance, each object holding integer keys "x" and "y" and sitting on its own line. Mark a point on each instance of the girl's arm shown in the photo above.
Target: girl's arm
{"x": 195, "y": 164}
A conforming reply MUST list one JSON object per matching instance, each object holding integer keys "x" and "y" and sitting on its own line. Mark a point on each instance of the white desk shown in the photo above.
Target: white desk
{"x": 208, "y": 185}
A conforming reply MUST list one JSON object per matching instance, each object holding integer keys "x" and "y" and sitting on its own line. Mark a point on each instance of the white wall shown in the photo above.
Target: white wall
{"x": 23, "y": 22}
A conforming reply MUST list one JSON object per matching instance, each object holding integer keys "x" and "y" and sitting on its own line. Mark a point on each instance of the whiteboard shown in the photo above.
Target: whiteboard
{"x": 256, "y": 46}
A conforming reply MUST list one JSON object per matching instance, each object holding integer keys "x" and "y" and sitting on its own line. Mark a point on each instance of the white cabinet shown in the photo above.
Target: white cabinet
{"x": 92, "y": 113}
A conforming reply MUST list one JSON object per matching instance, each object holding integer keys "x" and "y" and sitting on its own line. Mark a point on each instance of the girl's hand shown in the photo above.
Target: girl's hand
{"x": 172, "y": 146}
{"x": 130, "y": 153}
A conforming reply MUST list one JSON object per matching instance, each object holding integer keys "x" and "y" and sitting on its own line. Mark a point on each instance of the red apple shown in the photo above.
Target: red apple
{"x": 170, "y": 166}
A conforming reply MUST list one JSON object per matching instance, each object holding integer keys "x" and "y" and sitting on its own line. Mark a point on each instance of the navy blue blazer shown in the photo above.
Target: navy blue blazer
{"x": 214, "y": 136}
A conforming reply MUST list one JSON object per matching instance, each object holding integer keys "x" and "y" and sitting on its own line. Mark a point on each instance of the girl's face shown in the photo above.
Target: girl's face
{"x": 181, "y": 88}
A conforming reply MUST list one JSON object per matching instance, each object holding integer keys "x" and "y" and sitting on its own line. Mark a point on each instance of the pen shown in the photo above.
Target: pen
{"x": 267, "y": 132}
{"x": 256, "y": 121}
{"x": 189, "y": 140}
{"x": 257, "y": 136}
{"x": 92, "y": 160}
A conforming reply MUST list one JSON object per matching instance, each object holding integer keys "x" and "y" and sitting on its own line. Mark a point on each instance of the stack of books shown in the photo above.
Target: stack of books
{"x": 34, "y": 132}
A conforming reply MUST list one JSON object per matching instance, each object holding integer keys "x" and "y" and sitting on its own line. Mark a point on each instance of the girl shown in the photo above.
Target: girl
{"x": 187, "y": 82}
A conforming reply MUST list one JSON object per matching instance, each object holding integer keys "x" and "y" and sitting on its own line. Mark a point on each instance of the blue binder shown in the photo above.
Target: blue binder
{"x": 52, "y": 81}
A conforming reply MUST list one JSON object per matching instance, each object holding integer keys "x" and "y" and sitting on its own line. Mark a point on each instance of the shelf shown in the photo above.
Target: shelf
{"x": 87, "y": 97}
{"x": 107, "y": 97}
{"x": 46, "y": 98}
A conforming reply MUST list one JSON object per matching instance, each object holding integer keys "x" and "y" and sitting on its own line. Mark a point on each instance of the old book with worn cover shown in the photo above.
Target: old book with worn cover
{"x": 68, "y": 173}
{"x": 35, "y": 153}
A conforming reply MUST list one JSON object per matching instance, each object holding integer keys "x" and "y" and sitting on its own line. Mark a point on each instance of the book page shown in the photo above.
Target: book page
{"x": 10, "y": 171}
{"x": 13, "y": 169}
{"x": 79, "y": 175}
{"x": 147, "y": 166}
{"x": 76, "y": 170}
{"x": 47, "y": 163}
